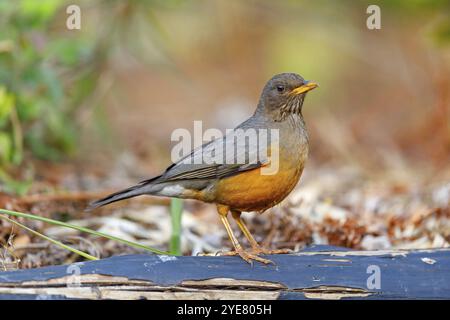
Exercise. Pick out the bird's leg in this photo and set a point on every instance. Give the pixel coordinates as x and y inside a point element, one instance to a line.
<point>257,249</point>
<point>237,217</point>
<point>247,256</point>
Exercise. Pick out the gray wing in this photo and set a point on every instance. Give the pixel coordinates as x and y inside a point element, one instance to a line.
<point>226,156</point>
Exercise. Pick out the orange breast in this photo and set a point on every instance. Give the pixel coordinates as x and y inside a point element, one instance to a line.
<point>252,191</point>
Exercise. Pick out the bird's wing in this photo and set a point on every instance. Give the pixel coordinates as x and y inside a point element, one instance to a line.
<point>220,158</point>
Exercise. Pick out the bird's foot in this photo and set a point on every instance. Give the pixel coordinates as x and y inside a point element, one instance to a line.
<point>249,256</point>
<point>246,255</point>
<point>260,250</point>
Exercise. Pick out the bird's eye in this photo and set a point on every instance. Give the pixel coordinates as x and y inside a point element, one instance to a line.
<point>280,88</point>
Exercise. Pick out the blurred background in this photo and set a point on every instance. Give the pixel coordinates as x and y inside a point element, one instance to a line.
<point>84,112</point>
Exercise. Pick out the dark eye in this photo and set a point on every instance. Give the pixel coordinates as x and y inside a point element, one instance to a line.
<point>280,88</point>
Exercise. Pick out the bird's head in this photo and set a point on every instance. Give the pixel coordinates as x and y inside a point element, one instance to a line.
<point>284,95</point>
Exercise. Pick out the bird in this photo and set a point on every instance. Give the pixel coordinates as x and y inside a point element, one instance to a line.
<point>239,185</point>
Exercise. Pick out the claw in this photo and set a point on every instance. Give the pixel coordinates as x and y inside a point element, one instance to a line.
<point>260,250</point>
<point>247,256</point>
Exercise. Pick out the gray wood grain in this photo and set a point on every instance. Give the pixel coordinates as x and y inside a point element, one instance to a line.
<point>319,272</point>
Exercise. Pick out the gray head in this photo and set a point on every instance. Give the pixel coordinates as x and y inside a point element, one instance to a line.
<point>284,95</point>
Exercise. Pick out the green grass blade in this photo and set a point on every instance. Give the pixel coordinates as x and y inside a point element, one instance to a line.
<point>176,209</point>
<point>82,229</point>
<point>56,242</point>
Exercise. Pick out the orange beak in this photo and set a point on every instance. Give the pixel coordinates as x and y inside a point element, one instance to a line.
<point>309,85</point>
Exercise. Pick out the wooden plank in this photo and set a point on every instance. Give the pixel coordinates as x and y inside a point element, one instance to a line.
<point>315,273</point>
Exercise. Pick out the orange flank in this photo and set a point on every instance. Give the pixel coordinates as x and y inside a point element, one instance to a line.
<point>252,191</point>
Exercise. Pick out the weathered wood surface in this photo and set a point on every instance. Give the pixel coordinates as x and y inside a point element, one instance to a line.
<point>314,273</point>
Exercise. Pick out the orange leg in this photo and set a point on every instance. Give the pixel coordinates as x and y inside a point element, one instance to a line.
<point>257,249</point>
<point>247,256</point>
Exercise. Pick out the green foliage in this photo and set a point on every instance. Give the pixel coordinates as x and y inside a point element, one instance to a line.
<point>48,73</point>
<point>413,6</point>
<point>75,227</point>
<point>56,242</point>
<point>442,32</point>
<point>28,84</point>
<point>7,150</point>
<point>33,99</point>
<point>176,210</point>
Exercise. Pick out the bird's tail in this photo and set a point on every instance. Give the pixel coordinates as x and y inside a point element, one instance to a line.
<point>145,187</point>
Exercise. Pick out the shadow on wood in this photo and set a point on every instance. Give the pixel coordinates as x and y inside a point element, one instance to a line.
<point>318,272</point>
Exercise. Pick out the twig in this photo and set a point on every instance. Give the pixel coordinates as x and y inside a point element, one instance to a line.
<point>82,229</point>
<point>56,242</point>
